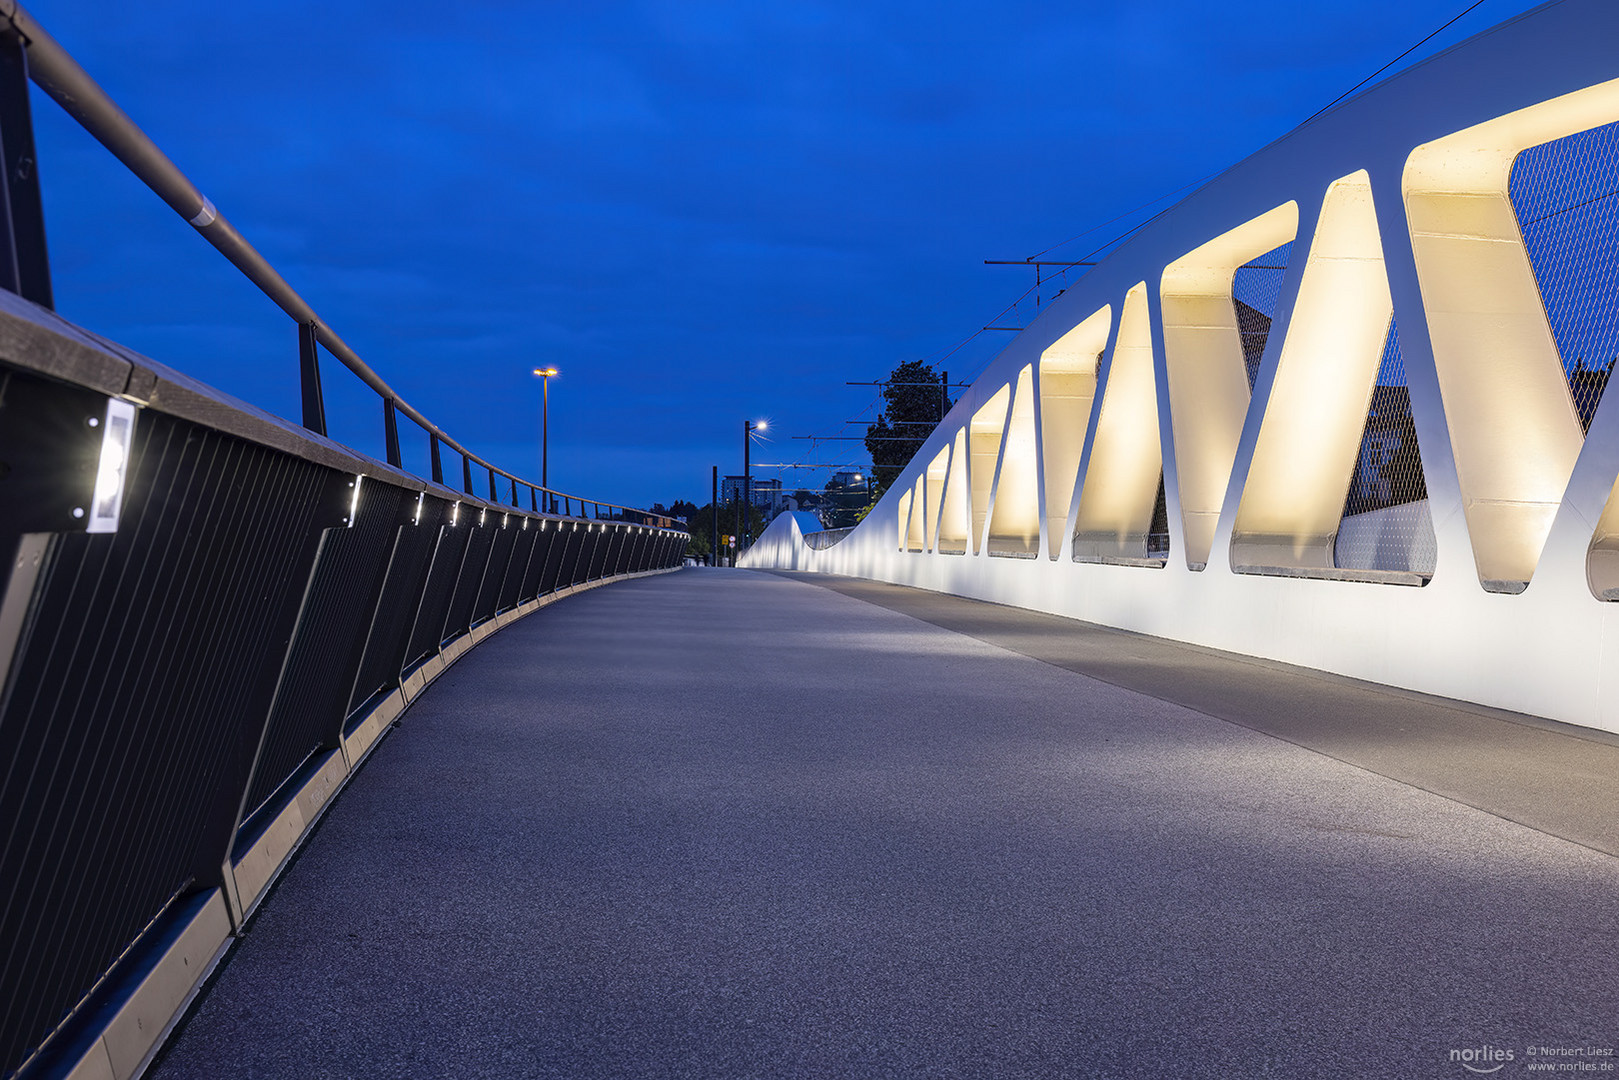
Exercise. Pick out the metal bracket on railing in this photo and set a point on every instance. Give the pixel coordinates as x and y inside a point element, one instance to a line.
<point>309,378</point>
<point>390,431</point>
<point>24,268</point>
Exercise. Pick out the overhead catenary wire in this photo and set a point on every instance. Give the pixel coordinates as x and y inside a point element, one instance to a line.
<point>1090,257</point>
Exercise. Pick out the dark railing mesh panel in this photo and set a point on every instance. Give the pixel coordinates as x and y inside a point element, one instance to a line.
<point>557,566</point>
<point>534,577</point>
<point>572,543</point>
<point>597,543</point>
<point>604,543</point>
<point>517,570</point>
<point>396,609</point>
<point>1256,290</point>
<point>325,653</point>
<point>130,704</point>
<point>494,574</point>
<point>1566,196</point>
<point>1386,523</point>
<point>479,544</point>
<point>615,545</point>
<point>586,555</point>
<point>441,580</point>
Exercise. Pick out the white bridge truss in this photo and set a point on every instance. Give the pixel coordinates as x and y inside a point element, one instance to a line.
<point>1416,285</point>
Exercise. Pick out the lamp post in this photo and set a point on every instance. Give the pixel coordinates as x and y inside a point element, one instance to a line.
<point>546,374</point>
<point>746,504</point>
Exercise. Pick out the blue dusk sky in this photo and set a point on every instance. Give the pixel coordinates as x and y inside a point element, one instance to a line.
<point>699,212</point>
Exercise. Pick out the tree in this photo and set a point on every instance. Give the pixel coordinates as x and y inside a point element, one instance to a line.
<point>700,523</point>
<point>845,504</point>
<point>914,401</point>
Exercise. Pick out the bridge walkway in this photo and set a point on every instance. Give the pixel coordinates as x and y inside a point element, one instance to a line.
<point>790,830</point>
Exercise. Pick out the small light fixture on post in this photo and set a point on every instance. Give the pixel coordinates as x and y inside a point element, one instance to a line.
<point>746,503</point>
<point>546,374</point>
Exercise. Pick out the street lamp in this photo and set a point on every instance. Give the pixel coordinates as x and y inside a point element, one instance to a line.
<point>546,374</point>
<point>748,428</point>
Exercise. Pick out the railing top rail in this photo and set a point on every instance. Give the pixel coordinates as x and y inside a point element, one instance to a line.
<point>55,71</point>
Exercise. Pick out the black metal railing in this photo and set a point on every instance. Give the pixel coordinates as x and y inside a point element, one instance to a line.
<point>202,607</point>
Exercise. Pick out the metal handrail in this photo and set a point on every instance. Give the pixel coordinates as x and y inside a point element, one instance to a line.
<point>55,71</point>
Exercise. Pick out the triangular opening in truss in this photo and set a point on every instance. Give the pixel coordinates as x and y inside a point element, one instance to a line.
<point>1256,292</point>
<point>1386,522</point>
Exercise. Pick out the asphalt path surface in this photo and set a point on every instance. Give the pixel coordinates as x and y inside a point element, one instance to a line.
<point>733,824</point>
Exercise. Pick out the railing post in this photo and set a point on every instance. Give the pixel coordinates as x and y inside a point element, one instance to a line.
<point>309,378</point>
<point>494,495</point>
<point>466,474</point>
<point>24,268</point>
<point>390,432</point>
<point>438,460</point>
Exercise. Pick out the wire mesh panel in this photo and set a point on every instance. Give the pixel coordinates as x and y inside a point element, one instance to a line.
<point>546,551</point>
<point>626,541</point>
<point>602,539</point>
<point>402,591</point>
<point>1566,196</point>
<point>1256,291</point>
<point>595,554</point>
<point>1386,521</point>
<point>134,702</point>
<point>480,544</point>
<point>503,544</point>
<point>511,590</point>
<point>326,650</point>
<point>591,556</point>
<point>428,630</point>
<point>625,563</point>
<point>568,544</point>
<point>1158,531</point>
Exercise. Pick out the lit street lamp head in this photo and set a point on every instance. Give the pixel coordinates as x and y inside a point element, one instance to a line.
<point>545,374</point>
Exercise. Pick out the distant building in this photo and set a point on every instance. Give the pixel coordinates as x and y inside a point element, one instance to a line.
<point>767,494</point>
<point>850,480</point>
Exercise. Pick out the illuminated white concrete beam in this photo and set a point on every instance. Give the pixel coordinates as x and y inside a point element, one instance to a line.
<point>1126,459</point>
<point>933,480</point>
<point>1207,373</point>
<point>1014,524</point>
<point>1067,390</point>
<point>1308,441</point>
<point>1513,426</point>
<point>955,511</point>
<point>984,436</point>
